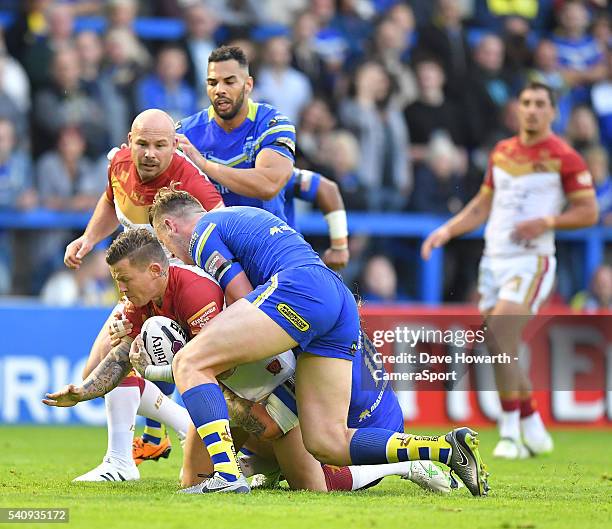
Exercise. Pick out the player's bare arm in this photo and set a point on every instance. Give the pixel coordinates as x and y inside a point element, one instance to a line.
<point>102,224</point>
<point>270,174</point>
<point>105,377</point>
<point>469,218</point>
<point>582,212</point>
<point>331,205</point>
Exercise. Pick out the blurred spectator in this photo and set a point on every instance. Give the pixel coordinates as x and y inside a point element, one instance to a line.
<point>341,153</point>
<point>582,129</point>
<point>126,61</point>
<point>598,161</point>
<point>37,59</point>
<point>200,25</point>
<point>546,70</point>
<point>16,191</point>
<point>67,181</point>
<point>66,102</point>
<point>167,88</point>
<point>391,49</point>
<point>599,295</point>
<point>87,8</point>
<point>601,30</point>
<point>383,138</point>
<point>580,55</point>
<point>489,88</point>
<point>90,285</point>
<point>15,94</point>
<point>91,52</point>
<point>280,85</point>
<point>438,181</point>
<point>30,26</point>
<point>445,38</point>
<point>305,55</point>
<point>379,281</point>
<point>352,22</point>
<point>432,112</point>
<point>282,12</point>
<point>601,99</point>
<point>315,123</point>
<point>517,43</point>
<point>122,13</point>
<point>237,13</point>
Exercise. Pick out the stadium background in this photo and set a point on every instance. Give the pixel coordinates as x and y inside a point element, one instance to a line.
<point>398,102</point>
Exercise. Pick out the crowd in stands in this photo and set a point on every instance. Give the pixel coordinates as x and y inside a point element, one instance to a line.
<point>399,102</point>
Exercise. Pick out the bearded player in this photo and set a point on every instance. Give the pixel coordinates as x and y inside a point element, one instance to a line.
<point>135,173</point>
<point>530,178</point>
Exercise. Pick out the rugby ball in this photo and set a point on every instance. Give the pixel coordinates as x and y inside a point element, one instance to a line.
<point>163,338</point>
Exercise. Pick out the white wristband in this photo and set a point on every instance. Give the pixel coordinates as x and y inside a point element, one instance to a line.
<point>338,226</point>
<point>159,373</point>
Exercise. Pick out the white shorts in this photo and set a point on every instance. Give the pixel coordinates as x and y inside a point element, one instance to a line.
<point>526,280</point>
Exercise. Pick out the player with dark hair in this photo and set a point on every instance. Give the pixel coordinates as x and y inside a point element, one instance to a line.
<point>529,179</point>
<point>298,303</point>
<point>135,173</point>
<point>248,149</point>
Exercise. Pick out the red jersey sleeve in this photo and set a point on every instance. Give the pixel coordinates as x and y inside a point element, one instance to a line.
<point>575,176</point>
<point>197,183</point>
<point>110,195</point>
<point>198,300</point>
<point>487,184</point>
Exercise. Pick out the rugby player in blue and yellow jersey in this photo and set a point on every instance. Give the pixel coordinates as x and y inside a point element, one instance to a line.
<point>297,302</point>
<point>247,148</point>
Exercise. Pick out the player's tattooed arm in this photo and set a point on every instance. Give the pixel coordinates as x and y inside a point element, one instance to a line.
<point>106,376</point>
<point>109,373</point>
<point>250,416</point>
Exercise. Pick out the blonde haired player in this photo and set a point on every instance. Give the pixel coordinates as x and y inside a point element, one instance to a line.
<point>529,179</point>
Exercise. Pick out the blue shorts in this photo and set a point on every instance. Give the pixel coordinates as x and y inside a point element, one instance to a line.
<point>313,305</point>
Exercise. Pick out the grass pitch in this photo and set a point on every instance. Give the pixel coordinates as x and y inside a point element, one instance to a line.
<point>570,489</point>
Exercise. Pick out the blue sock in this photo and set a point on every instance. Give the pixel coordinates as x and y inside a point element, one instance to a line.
<point>154,432</point>
<point>206,406</point>
<point>375,446</point>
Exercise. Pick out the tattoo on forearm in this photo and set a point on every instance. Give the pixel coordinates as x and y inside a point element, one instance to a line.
<point>241,413</point>
<point>109,372</point>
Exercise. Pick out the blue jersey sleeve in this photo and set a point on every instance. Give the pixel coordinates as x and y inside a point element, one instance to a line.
<point>277,133</point>
<point>211,254</point>
<point>305,184</point>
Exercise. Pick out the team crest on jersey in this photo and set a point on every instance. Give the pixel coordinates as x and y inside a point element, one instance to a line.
<point>249,148</point>
<point>274,367</point>
<point>293,317</point>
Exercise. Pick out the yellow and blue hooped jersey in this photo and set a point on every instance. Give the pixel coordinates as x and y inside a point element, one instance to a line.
<point>263,128</point>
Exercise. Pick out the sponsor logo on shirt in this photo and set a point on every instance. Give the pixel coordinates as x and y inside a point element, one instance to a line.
<point>293,317</point>
<point>201,318</point>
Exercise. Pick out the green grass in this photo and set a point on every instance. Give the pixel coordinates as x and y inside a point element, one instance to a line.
<point>570,489</point>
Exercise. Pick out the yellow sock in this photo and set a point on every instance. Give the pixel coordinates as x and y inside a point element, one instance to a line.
<point>408,447</point>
